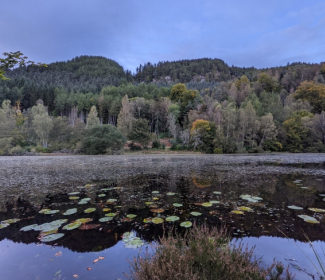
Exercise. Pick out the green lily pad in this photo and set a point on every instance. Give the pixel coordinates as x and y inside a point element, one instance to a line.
<point>308,219</point>
<point>101,195</point>
<point>238,212</point>
<point>11,221</point>
<point>172,219</point>
<point>110,215</point>
<point>50,212</point>
<point>293,207</point>
<point>90,210</point>
<point>74,197</point>
<point>44,233</point>
<point>147,220</point>
<point>196,213</point>
<point>244,208</point>
<point>170,193</point>
<point>157,220</point>
<point>30,227</point>
<point>149,203</point>
<point>105,219</point>
<point>105,190</point>
<point>111,200</point>
<point>72,226</point>
<point>217,192</point>
<point>318,210</point>
<point>44,210</point>
<point>250,198</point>
<point>4,226</point>
<point>155,192</point>
<point>52,237</point>
<point>83,220</point>
<point>131,216</point>
<point>70,211</point>
<point>81,202</point>
<point>50,226</point>
<point>186,224</point>
<point>206,204</point>
<point>73,193</point>
<point>214,201</point>
<point>177,204</point>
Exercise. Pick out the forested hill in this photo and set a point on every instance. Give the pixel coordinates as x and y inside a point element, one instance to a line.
<point>81,74</point>
<point>216,70</point>
<point>184,71</point>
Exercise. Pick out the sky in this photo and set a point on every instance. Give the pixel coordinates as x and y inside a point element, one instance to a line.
<point>259,33</point>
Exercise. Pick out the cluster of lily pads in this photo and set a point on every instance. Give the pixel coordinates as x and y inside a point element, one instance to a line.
<point>131,240</point>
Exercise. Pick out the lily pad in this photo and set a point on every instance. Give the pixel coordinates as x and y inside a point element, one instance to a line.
<point>177,204</point>
<point>72,226</point>
<point>50,212</point>
<point>102,195</point>
<point>186,224</point>
<point>106,209</point>
<point>157,220</point>
<point>70,211</point>
<point>196,213</point>
<point>244,208</point>
<point>30,227</point>
<point>149,203</point>
<point>4,226</point>
<point>84,220</point>
<point>170,193</point>
<point>74,197</point>
<point>172,218</point>
<point>43,211</point>
<point>147,220</point>
<point>155,198</point>
<point>238,212</point>
<point>11,221</point>
<point>105,219</point>
<point>73,193</point>
<point>52,237</point>
<point>90,210</point>
<point>206,204</point>
<point>110,215</point>
<point>250,198</point>
<point>105,190</point>
<point>308,219</point>
<point>155,192</point>
<point>214,201</point>
<point>217,192</point>
<point>293,207</point>
<point>44,233</point>
<point>111,200</point>
<point>318,210</point>
<point>131,216</point>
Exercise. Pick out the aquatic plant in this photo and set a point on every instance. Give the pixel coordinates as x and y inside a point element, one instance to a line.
<point>202,253</point>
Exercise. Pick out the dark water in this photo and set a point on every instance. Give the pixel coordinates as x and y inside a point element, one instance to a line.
<point>25,255</point>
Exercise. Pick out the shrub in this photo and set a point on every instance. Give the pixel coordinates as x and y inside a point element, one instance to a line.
<point>217,151</point>
<point>17,150</point>
<point>134,147</point>
<point>202,253</point>
<point>102,138</point>
<point>156,144</point>
<point>41,149</point>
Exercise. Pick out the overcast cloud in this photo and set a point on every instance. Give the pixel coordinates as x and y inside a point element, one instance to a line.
<point>242,33</point>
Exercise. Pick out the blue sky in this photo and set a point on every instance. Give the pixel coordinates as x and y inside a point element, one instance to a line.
<point>260,33</point>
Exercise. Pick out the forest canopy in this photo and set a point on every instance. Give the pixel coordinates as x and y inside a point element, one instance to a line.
<point>200,104</point>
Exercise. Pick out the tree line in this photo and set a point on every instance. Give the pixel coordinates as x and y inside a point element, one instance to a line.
<point>243,110</point>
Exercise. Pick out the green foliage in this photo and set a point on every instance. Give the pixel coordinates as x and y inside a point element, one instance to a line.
<point>156,144</point>
<point>296,131</point>
<point>140,132</point>
<point>218,151</point>
<point>102,139</point>
<point>203,253</point>
<point>268,83</point>
<point>315,94</point>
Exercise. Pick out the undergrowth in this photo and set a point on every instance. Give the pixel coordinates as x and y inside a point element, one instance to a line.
<point>202,254</point>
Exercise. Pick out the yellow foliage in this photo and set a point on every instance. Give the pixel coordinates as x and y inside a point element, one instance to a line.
<point>200,125</point>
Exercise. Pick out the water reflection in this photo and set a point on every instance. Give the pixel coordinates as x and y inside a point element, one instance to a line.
<point>142,195</point>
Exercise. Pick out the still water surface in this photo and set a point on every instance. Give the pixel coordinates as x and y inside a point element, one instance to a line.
<point>196,190</point>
